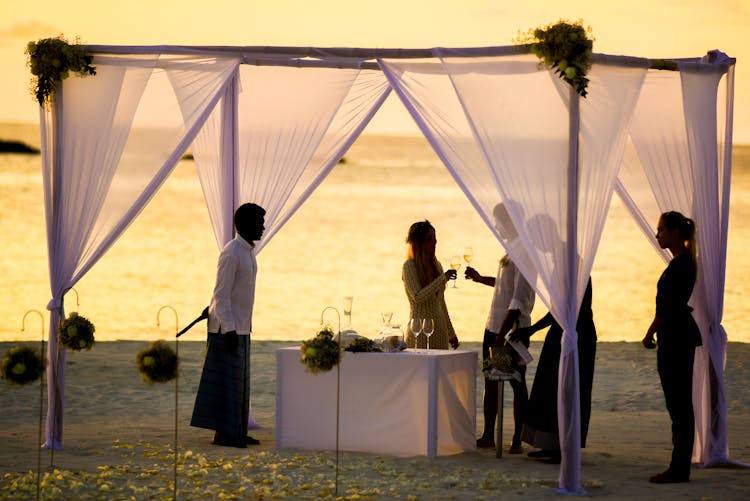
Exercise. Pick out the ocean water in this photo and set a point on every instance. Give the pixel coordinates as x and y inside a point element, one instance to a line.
<point>347,240</point>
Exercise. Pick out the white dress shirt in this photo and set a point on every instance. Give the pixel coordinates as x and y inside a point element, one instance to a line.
<point>231,307</point>
<point>512,292</point>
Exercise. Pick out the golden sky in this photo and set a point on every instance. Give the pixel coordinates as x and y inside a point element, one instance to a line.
<point>646,28</point>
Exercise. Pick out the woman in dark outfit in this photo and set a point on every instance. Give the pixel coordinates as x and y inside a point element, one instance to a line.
<point>677,335</point>
<point>540,424</point>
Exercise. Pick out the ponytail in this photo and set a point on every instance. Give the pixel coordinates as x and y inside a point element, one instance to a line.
<point>686,230</point>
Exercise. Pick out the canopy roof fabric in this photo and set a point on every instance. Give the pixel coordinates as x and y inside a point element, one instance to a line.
<point>267,124</point>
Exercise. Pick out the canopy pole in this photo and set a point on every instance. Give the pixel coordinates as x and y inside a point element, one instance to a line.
<point>570,466</point>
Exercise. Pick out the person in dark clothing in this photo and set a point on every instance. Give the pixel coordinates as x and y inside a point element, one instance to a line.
<point>540,427</point>
<point>675,335</point>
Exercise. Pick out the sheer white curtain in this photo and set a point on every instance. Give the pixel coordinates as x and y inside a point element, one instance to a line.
<point>290,128</point>
<point>507,129</point>
<point>274,137</point>
<point>103,161</point>
<point>682,135</point>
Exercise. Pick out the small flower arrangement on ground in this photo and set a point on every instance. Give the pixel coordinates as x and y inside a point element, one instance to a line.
<point>501,365</point>
<point>157,363</point>
<point>22,365</point>
<point>51,60</point>
<point>76,332</point>
<point>321,353</point>
<point>566,48</point>
<point>363,345</point>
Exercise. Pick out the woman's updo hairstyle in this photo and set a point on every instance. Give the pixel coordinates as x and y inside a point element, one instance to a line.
<point>685,227</point>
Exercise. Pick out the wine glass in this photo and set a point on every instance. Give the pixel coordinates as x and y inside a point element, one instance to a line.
<point>428,327</point>
<point>348,300</point>
<point>455,265</point>
<point>415,327</point>
<point>386,316</point>
<point>468,254</point>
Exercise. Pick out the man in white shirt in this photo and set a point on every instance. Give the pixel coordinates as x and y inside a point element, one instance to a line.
<point>223,400</point>
<point>511,307</point>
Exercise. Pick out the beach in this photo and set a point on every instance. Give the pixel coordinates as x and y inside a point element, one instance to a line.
<point>119,434</point>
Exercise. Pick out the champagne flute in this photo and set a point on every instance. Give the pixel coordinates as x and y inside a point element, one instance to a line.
<point>415,327</point>
<point>468,254</point>
<point>455,265</point>
<point>428,327</point>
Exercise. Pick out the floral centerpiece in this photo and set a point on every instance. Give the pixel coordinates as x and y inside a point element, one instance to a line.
<point>566,48</point>
<point>22,365</point>
<point>501,364</point>
<point>321,353</point>
<point>76,332</point>
<point>51,60</point>
<point>363,345</point>
<point>157,363</point>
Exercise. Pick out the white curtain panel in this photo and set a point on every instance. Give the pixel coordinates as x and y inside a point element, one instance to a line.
<point>680,132</point>
<point>105,158</point>
<point>293,125</point>
<point>501,125</point>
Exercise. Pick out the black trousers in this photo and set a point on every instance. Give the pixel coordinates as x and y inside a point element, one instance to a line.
<point>675,365</point>
<point>489,401</point>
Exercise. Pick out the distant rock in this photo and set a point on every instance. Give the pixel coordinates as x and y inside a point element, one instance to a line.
<point>16,147</point>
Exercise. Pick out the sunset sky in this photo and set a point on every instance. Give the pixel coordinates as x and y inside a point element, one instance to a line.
<point>647,28</point>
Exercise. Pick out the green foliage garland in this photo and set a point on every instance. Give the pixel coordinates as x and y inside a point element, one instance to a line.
<point>22,365</point>
<point>321,353</point>
<point>158,363</point>
<point>76,332</point>
<point>566,48</point>
<point>51,60</point>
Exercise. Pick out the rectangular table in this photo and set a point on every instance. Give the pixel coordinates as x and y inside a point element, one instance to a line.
<point>401,404</point>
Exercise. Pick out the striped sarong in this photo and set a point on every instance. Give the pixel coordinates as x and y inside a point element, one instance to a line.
<point>223,400</point>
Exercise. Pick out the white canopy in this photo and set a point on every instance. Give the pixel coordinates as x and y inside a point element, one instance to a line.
<point>267,124</point>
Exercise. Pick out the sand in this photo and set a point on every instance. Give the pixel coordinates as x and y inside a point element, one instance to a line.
<point>119,434</point>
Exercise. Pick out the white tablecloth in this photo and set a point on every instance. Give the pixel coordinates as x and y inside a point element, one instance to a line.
<point>400,404</point>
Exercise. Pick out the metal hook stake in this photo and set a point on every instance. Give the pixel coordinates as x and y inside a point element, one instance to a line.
<point>176,390</point>
<point>322,314</point>
<point>338,391</point>
<point>41,405</point>
<point>71,288</point>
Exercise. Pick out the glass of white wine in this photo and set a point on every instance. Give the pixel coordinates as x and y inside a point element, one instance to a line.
<point>455,265</point>
<point>468,254</point>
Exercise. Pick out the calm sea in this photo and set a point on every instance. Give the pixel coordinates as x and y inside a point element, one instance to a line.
<point>348,239</point>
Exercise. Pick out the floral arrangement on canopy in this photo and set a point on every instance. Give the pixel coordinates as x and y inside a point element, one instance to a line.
<point>158,363</point>
<point>76,332</point>
<point>51,60</point>
<point>566,47</point>
<point>321,353</point>
<point>22,365</point>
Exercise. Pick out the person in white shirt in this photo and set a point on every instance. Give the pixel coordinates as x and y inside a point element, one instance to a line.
<point>223,399</point>
<point>512,303</point>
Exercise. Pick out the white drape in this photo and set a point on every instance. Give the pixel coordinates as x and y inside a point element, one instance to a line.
<point>293,125</point>
<point>103,162</point>
<point>275,135</point>
<point>508,129</point>
<point>682,135</point>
